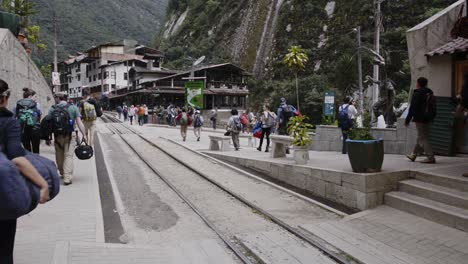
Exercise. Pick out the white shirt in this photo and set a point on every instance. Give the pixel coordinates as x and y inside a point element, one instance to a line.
<point>352,111</point>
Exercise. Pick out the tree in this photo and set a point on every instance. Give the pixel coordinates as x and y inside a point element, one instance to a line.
<point>296,60</point>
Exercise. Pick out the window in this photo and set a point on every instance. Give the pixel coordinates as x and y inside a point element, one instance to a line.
<point>106,88</point>
<point>125,76</point>
<point>94,77</point>
<point>156,64</point>
<point>99,76</point>
<point>78,77</point>
<point>106,75</point>
<point>113,75</point>
<point>113,87</point>
<point>89,79</point>
<point>94,65</point>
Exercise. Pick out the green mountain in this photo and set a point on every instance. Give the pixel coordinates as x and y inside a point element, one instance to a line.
<point>82,24</point>
<point>256,34</point>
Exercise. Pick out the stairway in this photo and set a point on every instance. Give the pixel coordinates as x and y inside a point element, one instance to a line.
<point>440,198</point>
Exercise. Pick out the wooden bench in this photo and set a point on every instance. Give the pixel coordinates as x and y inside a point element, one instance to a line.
<point>279,145</point>
<point>215,140</point>
<point>249,138</point>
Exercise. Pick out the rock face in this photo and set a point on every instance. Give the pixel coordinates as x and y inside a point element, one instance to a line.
<point>19,71</point>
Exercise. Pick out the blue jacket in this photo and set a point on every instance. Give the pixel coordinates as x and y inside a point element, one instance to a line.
<point>11,135</point>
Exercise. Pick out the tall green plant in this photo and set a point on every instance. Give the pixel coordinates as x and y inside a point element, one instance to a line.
<point>296,60</point>
<point>298,128</point>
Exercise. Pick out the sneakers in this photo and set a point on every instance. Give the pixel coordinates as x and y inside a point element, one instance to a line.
<point>411,157</point>
<point>183,139</point>
<point>198,139</point>
<point>266,150</point>
<point>67,182</point>
<point>259,149</point>
<point>429,161</point>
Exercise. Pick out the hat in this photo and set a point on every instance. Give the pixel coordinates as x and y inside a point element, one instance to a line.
<point>283,100</point>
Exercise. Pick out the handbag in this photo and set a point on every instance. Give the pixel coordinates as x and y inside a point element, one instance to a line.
<point>83,151</point>
<point>460,29</point>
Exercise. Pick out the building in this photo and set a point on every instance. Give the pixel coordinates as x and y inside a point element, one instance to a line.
<point>105,69</point>
<point>443,60</point>
<point>225,88</point>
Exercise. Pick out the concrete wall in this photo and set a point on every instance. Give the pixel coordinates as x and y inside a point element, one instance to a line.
<point>19,71</point>
<point>426,37</point>
<point>354,190</point>
<point>396,141</point>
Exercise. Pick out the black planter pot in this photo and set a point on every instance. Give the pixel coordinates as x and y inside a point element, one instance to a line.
<point>366,156</point>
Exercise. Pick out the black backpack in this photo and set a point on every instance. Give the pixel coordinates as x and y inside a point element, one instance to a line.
<point>344,121</point>
<point>60,121</point>
<point>430,110</point>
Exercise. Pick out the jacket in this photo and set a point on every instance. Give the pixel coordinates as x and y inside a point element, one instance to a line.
<point>418,106</point>
<point>11,144</point>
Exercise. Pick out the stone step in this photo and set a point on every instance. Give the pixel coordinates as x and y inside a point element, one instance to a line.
<point>435,192</point>
<point>276,247</point>
<point>200,252</point>
<point>432,210</point>
<point>358,245</point>
<point>459,183</point>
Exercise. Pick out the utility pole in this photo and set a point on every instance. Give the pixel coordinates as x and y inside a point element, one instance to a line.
<point>361,95</point>
<point>56,87</point>
<point>375,92</point>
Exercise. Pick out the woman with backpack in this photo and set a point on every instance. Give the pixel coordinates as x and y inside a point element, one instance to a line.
<point>10,146</point>
<point>234,127</point>
<point>268,123</point>
<point>197,123</point>
<point>28,113</point>
<point>346,115</point>
<point>184,121</point>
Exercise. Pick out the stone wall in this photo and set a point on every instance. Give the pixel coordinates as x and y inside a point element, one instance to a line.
<point>396,141</point>
<point>19,71</point>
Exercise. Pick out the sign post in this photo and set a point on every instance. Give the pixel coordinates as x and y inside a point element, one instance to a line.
<point>329,106</point>
<point>194,93</point>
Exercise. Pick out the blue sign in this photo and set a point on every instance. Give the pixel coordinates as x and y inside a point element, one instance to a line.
<point>329,104</point>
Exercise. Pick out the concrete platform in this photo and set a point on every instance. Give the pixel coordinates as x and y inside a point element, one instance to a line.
<point>329,174</point>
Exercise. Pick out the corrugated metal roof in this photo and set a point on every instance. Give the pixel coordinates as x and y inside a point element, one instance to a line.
<point>454,46</point>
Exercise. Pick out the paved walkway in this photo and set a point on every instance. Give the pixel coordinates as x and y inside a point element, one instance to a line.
<point>74,215</point>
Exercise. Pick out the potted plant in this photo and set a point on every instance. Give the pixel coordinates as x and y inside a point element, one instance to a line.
<point>365,153</point>
<point>298,129</point>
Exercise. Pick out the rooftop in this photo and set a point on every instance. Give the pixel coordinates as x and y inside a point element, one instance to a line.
<point>451,47</point>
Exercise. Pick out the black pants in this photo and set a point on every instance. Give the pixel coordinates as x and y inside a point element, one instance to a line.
<point>266,131</point>
<point>30,141</point>
<point>345,133</point>
<point>7,240</point>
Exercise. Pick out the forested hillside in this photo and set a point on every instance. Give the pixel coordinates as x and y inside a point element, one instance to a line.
<point>84,23</point>
<point>236,31</point>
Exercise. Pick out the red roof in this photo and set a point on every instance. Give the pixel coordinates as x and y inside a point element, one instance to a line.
<point>454,46</point>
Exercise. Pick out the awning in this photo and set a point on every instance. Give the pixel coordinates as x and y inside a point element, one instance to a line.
<point>454,46</point>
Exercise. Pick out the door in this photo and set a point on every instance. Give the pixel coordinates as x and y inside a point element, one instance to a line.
<point>461,68</point>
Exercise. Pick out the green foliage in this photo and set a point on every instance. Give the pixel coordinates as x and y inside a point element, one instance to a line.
<point>363,133</point>
<point>296,58</point>
<point>298,128</point>
<point>329,121</point>
<point>46,71</point>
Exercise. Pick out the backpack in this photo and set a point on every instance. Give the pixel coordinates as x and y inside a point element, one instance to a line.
<point>270,121</point>
<point>89,111</point>
<point>344,121</point>
<point>184,119</point>
<point>61,123</point>
<point>27,113</point>
<point>198,121</point>
<point>237,124</point>
<point>244,119</point>
<point>287,112</point>
<point>97,107</point>
<point>430,110</point>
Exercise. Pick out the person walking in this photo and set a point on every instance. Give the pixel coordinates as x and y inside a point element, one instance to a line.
<point>145,114</point>
<point>12,149</point>
<point>119,111</point>
<point>234,127</point>
<point>197,124</point>
<point>66,118</point>
<point>214,117</point>
<point>422,112</point>
<point>284,113</point>
<point>268,122</point>
<point>28,113</point>
<point>125,112</point>
<point>346,115</point>
<point>183,119</point>
<point>88,110</point>
<point>141,115</point>
<point>131,114</point>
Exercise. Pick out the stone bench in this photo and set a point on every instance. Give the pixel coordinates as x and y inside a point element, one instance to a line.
<point>216,140</point>
<point>249,137</point>
<point>279,145</point>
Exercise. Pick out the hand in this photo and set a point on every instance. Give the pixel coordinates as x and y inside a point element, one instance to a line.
<point>44,195</point>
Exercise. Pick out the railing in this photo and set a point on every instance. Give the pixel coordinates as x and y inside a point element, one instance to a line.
<point>227,85</point>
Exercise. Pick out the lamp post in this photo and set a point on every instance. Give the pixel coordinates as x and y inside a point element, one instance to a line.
<point>376,77</point>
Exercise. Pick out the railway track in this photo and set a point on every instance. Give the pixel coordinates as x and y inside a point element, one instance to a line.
<point>177,173</point>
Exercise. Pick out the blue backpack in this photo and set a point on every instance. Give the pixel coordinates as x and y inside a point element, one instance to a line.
<point>344,121</point>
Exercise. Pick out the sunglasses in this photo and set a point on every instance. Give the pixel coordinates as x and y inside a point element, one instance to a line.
<point>6,93</point>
